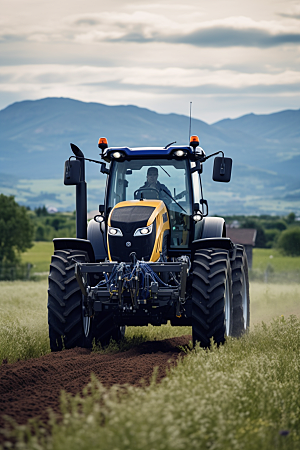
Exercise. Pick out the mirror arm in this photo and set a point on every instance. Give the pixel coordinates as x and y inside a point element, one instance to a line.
<point>103,168</point>
<point>214,154</point>
<point>86,159</point>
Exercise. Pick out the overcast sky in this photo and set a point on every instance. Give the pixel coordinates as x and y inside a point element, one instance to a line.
<point>229,57</point>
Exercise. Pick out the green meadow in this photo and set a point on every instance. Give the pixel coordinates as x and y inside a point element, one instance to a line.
<point>39,256</point>
<point>264,257</point>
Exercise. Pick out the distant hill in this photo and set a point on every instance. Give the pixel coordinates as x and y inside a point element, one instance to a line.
<point>35,138</point>
<point>283,125</point>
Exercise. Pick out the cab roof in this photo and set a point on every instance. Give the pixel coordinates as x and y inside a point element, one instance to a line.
<point>127,153</point>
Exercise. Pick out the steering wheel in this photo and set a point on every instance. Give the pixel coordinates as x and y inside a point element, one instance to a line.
<point>141,190</point>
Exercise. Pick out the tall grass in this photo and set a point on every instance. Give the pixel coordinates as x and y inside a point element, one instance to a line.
<point>23,320</point>
<point>24,327</point>
<point>243,395</point>
<point>268,301</point>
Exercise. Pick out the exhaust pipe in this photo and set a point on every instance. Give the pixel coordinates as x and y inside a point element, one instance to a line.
<point>81,196</point>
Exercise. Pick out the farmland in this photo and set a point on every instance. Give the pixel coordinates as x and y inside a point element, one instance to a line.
<point>243,395</point>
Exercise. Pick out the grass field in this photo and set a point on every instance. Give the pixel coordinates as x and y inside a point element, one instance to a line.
<point>26,335</point>
<point>268,301</point>
<point>244,395</point>
<point>39,256</point>
<point>23,320</point>
<point>264,257</point>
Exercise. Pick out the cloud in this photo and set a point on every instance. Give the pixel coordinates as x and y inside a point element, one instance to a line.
<point>144,27</point>
<point>293,12</point>
<point>291,16</point>
<point>49,76</point>
<point>229,37</point>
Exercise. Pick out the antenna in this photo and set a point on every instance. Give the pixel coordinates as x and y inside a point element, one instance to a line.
<point>190,129</point>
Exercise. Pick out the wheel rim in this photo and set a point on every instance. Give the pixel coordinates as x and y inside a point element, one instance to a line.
<point>86,325</point>
<point>122,330</point>
<point>244,302</point>
<point>86,321</point>
<point>227,308</point>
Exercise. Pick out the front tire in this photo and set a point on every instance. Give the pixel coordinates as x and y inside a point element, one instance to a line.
<point>212,305</point>
<point>69,326</point>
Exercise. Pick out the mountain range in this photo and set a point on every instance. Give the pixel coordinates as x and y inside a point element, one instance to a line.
<point>35,138</point>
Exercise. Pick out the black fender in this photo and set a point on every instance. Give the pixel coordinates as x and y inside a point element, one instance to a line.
<point>213,227</point>
<point>75,244</point>
<point>211,233</point>
<point>210,227</point>
<point>96,234</point>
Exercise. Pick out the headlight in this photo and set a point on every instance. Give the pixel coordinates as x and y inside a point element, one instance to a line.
<point>144,231</point>
<point>114,231</point>
<point>179,153</point>
<point>117,155</point>
<point>98,218</point>
<point>197,217</point>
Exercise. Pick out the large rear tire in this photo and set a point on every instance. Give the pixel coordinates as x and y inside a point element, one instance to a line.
<point>240,290</point>
<point>212,305</point>
<point>69,327</point>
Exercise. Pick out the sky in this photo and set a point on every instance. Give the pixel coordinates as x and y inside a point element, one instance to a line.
<point>228,58</point>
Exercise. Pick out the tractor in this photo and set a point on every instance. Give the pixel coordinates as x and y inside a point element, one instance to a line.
<point>151,256</point>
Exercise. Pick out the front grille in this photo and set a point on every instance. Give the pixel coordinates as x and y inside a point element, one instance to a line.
<point>141,245</point>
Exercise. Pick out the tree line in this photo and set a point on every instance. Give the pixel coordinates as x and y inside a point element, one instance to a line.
<point>48,226</point>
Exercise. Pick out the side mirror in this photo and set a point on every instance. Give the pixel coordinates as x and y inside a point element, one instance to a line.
<point>222,169</point>
<point>72,172</point>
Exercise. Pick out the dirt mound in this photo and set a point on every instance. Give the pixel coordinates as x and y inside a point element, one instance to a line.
<point>28,388</point>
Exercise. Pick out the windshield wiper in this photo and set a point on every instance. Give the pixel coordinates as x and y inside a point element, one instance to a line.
<point>170,144</point>
<point>164,170</point>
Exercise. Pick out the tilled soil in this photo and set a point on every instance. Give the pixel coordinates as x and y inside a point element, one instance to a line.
<point>29,388</point>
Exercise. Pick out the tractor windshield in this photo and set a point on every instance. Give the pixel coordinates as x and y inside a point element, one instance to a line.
<point>168,181</point>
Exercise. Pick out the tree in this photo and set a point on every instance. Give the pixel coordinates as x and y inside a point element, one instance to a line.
<point>272,236</point>
<point>289,242</point>
<point>16,230</point>
<point>41,211</point>
<point>40,233</point>
<point>291,217</point>
<point>278,224</point>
